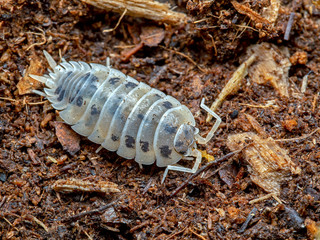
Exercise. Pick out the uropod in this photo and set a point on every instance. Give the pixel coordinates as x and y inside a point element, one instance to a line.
<point>124,115</point>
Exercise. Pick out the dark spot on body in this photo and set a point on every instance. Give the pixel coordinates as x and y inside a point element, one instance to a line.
<point>181,149</point>
<point>114,80</point>
<point>61,95</point>
<point>140,116</point>
<point>82,79</point>
<point>79,101</point>
<point>170,129</point>
<point>73,96</point>
<point>93,88</point>
<point>165,151</point>
<point>58,89</point>
<point>94,110</point>
<point>93,78</point>
<point>144,146</point>
<point>130,141</point>
<point>131,85</point>
<point>187,134</point>
<point>114,138</point>
<point>179,144</point>
<point>167,104</point>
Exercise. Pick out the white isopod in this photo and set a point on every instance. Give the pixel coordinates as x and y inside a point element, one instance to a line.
<point>124,115</point>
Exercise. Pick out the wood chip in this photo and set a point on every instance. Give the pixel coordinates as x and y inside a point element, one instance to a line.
<point>72,185</point>
<point>69,140</point>
<point>141,8</point>
<point>269,164</point>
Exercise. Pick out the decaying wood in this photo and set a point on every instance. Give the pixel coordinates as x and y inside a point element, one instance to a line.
<point>77,185</point>
<point>269,164</point>
<point>272,66</point>
<point>141,8</point>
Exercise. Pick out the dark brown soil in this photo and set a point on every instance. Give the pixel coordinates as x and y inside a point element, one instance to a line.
<point>215,207</point>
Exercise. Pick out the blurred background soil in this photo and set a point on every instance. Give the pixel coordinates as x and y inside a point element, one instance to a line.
<point>189,60</point>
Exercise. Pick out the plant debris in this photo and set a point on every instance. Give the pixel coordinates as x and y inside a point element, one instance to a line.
<point>149,9</point>
<point>26,83</point>
<point>272,66</point>
<point>67,137</point>
<point>77,185</point>
<point>269,164</point>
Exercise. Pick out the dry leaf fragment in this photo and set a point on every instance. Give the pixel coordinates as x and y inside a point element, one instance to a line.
<point>26,84</point>
<point>77,185</point>
<point>272,65</point>
<point>67,137</point>
<point>151,36</point>
<point>269,164</point>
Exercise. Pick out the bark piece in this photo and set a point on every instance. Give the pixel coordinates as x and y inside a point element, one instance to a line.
<point>141,8</point>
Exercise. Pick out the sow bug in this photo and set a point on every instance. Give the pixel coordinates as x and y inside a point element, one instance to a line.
<point>124,115</point>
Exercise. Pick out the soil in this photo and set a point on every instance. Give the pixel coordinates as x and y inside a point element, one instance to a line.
<point>191,61</point>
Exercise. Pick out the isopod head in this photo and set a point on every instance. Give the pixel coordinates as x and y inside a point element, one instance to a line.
<point>184,139</point>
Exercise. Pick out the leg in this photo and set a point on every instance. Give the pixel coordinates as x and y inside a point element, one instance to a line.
<point>50,60</point>
<point>195,153</point>
<point>46,80</point>
<point>108,62</point>
<point>200,139</point>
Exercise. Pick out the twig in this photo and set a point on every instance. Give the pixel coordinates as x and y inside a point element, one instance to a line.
<point>139,226</point>
<point>145,190</point>
<point>250,216</point>
<point>204,168</point>
<point>254,16</point>
<point>264,198</point>
<point>233,84</point>
<point>177,233</point>
<point>94,211</point>
<point>39,34</point>
<point>214,45</point>
<point>27,103</point>
<point>87,234</point>
<point>10,224</point>
<point>118,23</point>
<point>305,82</point>
<point>198,235</point>
<point>186,56</point>
<point>39,222</point>
<point>289,26</point>
<point>3,201</point>
<point>298,138</point>
<point>8,99</point>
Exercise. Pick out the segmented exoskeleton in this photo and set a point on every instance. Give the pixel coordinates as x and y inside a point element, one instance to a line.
<point>124,115</point>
